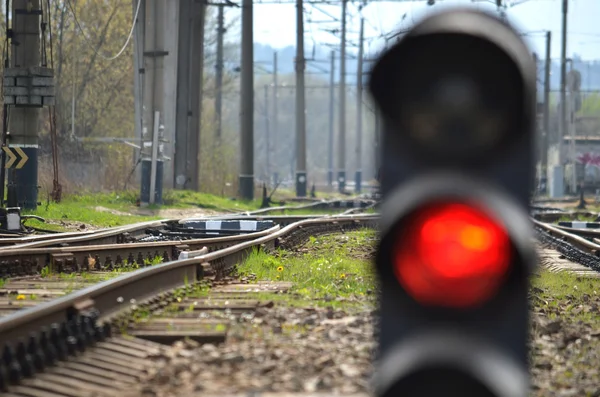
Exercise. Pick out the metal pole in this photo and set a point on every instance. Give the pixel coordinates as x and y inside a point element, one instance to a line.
<point>546,139</point>
<point>196,70</point>
<point>377,140</point>
<point>342,109</point>
<point>275,121</point>
<point>138,45</point>
<point>154,157</point>
<point>185,41</point>
<point>572,134</point>
<point>267,134</point>
<point>331,120</point>
<point>3,154</point>
<point>219,70</point>
<point>563,83</point>
<point>23,123</point>
<point>300,104</point>
<point>154,98</point>
<point>246,178</point>
<point>74,85</point>
<point>359,110</point>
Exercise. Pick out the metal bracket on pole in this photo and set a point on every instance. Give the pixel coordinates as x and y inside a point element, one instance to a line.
<point>154,157</point>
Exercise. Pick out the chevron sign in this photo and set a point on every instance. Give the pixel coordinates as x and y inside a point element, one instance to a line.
<point>15,155</point>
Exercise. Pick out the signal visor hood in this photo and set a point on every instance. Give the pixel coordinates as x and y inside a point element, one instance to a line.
<point>460,85</point>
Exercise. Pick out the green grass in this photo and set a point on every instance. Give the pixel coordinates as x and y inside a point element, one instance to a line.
<point>563,292</point>
<point>82,208</point>
<point>561,284</point>
<point>119,208</point>
<point>578,217</point>
<point>329,269</point>
<point>191,199</point>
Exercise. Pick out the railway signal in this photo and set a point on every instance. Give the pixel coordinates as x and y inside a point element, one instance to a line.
<point>457,94</point>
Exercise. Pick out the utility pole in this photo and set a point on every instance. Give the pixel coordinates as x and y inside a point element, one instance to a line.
<point>154,54</point>
<point>267,134</point>
<point>24,107</point>
<point>359,110</point>
<point>377,145</point>
<point>563,82</point>
<point>219,70</point>
<point>300,104</point>
<point>190,63</point>
<point>246,178</point>
<point>138,74</point>
<point>331,120</point>
<point>275,122</point>
<point>195,98</point>
<point>342,108</point>
<point>546,139</point>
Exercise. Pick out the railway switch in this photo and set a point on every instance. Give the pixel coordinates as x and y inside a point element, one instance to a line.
<point>457,96</point>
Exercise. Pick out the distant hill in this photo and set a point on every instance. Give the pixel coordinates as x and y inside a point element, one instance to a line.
<point>263,55</point>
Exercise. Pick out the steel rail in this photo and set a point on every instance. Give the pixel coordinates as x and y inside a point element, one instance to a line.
<point>591,233</point>
<point>10,240</point>
<point>112,235</point>
<point>25,261</point>
<point>74,317</point>
<point>107,236</point>
<point>573,239</point>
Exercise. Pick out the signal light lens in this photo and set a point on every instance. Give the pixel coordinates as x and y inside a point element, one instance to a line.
<point>452,255</point>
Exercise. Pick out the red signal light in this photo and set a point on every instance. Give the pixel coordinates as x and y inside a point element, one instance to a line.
<point>452,255</point>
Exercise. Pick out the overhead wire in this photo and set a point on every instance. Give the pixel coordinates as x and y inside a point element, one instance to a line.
<point>123,48</point>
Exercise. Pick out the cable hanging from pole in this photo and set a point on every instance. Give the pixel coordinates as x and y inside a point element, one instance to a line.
<point>108,58</point>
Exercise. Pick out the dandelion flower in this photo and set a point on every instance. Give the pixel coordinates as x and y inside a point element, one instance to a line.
<point>20,297</point>
<point>280,269</point>
<point>277,276</point>
<point>342,275</point>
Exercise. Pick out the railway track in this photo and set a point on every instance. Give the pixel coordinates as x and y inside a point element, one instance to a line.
<point>43,345</point>
<point>76,254</point>
<point>129,233</point>
<point>100,339</point>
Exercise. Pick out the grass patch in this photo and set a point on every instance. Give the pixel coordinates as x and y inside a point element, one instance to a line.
<point>565,284</point>
<point>120,208</point>
<point>334,268</point>
<point>191,199</point>
<point>85,209</point>
<point>578,217</point>
<point>566,294</point>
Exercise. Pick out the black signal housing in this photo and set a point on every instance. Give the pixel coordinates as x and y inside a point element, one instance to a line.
<point>457,95</point>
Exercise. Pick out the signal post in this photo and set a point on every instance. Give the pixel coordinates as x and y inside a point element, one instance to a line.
<point>457,96</point>
<point>28,86</point>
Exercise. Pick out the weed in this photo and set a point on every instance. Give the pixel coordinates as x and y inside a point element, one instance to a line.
<point>327,269</point>
<point>566,294</point>
<point>45,272</point>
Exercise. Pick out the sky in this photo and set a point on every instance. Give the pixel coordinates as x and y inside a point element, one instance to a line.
<point>275,24</point>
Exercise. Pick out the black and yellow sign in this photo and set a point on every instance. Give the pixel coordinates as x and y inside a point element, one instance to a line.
<point>15,154</point>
